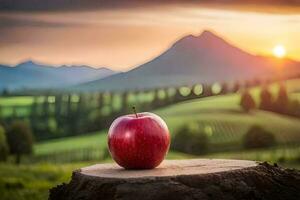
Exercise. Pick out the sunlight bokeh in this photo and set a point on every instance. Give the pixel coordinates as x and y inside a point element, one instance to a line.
<point>279,51</point>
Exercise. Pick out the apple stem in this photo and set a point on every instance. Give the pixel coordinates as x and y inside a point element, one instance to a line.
<point>134,110</point>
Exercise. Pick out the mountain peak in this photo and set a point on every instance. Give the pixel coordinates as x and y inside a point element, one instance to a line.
<point>26,64</point>
<point>206,40</point>
<point>208,35</point>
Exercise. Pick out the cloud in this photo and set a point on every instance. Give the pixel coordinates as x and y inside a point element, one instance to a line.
<point>11,22</point>
<point>34,5</point>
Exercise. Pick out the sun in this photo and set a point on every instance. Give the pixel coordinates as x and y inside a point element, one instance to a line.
<point>279,51</point>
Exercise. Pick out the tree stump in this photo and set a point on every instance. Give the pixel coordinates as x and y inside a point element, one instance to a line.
<point>183,179</point>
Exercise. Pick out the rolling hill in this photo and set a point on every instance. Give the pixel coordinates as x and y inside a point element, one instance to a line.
<point>37,76</point>
<point>220,117</point>
<point>206,58</point>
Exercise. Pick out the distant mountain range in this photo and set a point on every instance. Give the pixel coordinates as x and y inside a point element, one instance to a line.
<point>206,58</point>
<point>30,75</point>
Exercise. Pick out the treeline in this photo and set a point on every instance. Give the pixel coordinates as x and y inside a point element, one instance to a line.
<point>278,103</point>
<point>55,115</point>
<point>60,115</point>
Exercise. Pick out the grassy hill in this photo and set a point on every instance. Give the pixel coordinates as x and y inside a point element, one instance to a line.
<point>223,120</point>
<point>21,105</point>
<point>220,117</point>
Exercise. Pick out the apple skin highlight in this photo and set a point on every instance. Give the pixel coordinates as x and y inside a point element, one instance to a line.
<point>138,141</point>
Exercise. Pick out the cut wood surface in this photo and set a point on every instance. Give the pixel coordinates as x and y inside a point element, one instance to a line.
<point>168,168</point>
<point>183,179</point>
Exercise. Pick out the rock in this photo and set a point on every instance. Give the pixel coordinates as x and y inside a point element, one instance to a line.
<point>183,179</point>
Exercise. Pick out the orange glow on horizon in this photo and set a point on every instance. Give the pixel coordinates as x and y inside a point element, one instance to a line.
<point>279,51</point>
<point>126,38</point>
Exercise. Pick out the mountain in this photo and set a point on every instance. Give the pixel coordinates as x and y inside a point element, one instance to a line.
<point>206,58</point>
<point>37,76</point>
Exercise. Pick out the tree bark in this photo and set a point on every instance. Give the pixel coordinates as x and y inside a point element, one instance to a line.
<point>181,180</point>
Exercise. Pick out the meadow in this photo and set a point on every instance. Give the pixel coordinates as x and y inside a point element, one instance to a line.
<point>224,124</point>
<point>20,105</point>
<point>219,117</point>
<point>32,181</point>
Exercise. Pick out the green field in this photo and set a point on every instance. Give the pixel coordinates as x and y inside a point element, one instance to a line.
<point>32,182</point>
<point>223,120</point>
<point>20,105</point>
<point>16,101</point>
<point>73,143</point>
<point>275,154</point>
<point>220,117</point>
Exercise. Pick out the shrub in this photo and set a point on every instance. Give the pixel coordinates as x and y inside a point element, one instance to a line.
<point>257,137</point>
<point>189,140</point>
<point>282,101</point>
<point>20,139</point>
<point>294,108</point>
<point>236,87</point>
<point>266,102</point>
<point>247,102</point>
<point>3,145</point>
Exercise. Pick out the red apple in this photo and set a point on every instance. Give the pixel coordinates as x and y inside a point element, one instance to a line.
<point>138,141</point>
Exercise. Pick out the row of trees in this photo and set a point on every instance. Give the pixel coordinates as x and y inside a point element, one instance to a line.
<point>16,139</point>
<point>280,103</point>
<point>63,115</point>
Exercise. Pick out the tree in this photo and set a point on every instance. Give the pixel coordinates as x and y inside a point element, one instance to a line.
<point>5,92</point>
<point>257,137</point>
<point>100,100</point>
<point>282,100</point>
<point>189,140</point>
<point>157,102</point>
<point>294,108</point>
<point>224,88</point>
<point>236,87</point>
<point>3,145</point>
<point>177,97</point>
<point>207,90</point>
<point>20,139</point>
<point>247,102</point>
<point>46,107</point>
<point>124,97</point>
<point>34,116</point>
<point>266,102</point>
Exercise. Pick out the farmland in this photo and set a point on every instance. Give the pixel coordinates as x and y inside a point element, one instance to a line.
<point>223,123</point>
<point>219,117</point>
<point>20,105</point>
<point>227,121</point>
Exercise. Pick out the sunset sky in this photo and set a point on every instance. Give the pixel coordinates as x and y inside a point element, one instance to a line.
<point>122,38</point>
